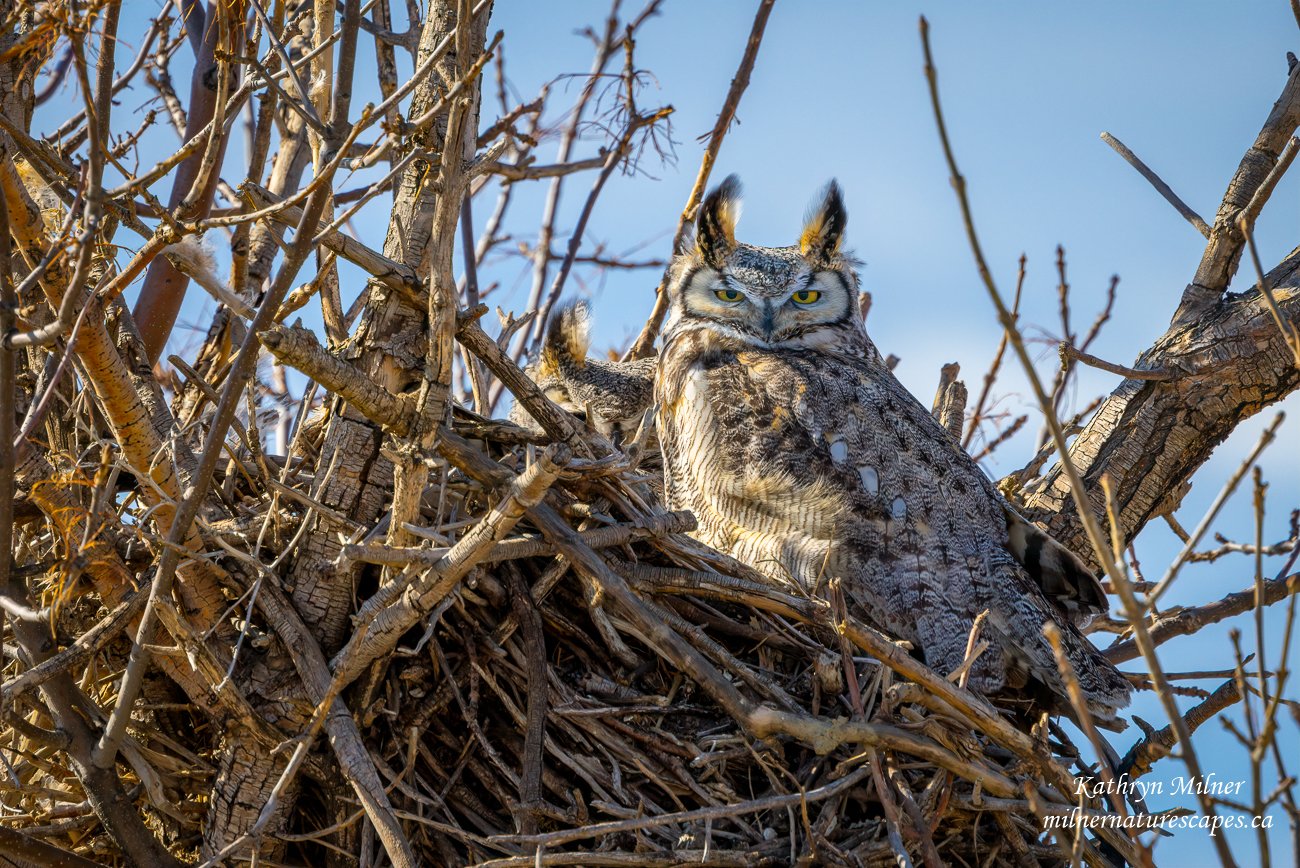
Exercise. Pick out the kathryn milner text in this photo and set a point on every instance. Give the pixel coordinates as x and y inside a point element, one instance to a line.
<point>1208,785</point>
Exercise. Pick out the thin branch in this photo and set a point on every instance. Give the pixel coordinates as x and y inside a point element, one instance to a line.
<point>1269,435</point>
<point>612,160</point>
<point>1143,756</point>
<point>1289,333</point>
<point>1256,204</point>
<point>1161,187</point>
<point>1187,622</point>
<point>1086,515</point>
<point>643,346</point>
<point>990,377</point>
<point>753,806</point>
<point>1068,353</point>
<point>1223,251</point>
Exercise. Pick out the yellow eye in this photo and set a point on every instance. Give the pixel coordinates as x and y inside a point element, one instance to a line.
<point>806,296</point>
<point>729,294</point>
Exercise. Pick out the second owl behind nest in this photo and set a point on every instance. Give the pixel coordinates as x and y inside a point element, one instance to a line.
<point>802,455</point>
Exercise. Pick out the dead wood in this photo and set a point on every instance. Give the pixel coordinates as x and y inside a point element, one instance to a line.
<point>359,621</point>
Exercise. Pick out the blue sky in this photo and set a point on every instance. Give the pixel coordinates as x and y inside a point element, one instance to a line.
<point>1027,89</point>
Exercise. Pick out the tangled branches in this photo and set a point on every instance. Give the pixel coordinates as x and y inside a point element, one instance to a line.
<point>514,653</point>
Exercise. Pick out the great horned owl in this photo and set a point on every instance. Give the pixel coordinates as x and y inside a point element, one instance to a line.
<point>802,455</point>
<point>611,396</point>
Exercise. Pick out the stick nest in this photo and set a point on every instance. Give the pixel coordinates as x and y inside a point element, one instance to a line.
<point>789,732</point>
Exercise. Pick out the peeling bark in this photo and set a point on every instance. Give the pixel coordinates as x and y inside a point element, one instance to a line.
<point>352,477</point>
<point>1150,437</point>
<point>1226,357</point>
<point>389,346</point>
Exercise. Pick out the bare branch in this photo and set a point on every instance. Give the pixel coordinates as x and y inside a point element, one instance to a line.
<point>644,344</point>
<point>1156,181</point>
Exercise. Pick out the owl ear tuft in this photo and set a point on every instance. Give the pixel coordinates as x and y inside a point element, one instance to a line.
<point>823,231</point>
<point>715,232</point>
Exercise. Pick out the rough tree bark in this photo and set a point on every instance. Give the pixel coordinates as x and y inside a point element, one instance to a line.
<point>586,676</point>
<point>352,477</point>
<point>1224,356</point>
<point>389,344</point>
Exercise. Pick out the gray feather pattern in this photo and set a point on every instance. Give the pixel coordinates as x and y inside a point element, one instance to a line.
<point>802,455</point>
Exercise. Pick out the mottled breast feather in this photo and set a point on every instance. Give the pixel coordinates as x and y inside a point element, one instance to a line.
<point>811,465</point>
<point>800,454</point>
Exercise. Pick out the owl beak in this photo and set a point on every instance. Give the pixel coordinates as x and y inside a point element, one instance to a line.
<point>769,320</point>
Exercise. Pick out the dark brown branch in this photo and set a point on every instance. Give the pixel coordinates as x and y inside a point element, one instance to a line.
<point>195,182</point>
<point>32,851</point>
<point>530,622</point>
<point>1001,437</point>
<point>1143,756</point>
<point>1068,352</point>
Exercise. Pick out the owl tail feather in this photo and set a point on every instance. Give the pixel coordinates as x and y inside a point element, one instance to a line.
<point>612,396</point>
<point>567,340</point>
<point>1063,576</point>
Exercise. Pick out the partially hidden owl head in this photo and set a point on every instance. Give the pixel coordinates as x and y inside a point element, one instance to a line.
<point>802,295</point>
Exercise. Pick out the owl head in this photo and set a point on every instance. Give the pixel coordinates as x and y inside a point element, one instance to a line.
<point>802,295</point>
